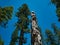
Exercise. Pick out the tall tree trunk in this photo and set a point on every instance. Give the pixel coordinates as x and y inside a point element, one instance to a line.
<point>21,37</point>
<point>35,33</point>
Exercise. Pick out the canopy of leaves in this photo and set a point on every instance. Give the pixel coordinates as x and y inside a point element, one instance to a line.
<point>56,33</point>
<point>5,14</point>
<point>23,10</point>
<point>22,14</point>
<point>53,38</point>
<point>57,3</point>
<point>50,38</point>
<point>23,22</point>
<point>21,25</point>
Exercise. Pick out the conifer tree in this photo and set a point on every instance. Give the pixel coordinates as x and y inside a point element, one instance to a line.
<point>5,15</point>
<point>57,33</point>
<point>53,38</point>
<point>21,25</point>
<point>23,22</point>
<point>50,38</point>
<point>57,3</point>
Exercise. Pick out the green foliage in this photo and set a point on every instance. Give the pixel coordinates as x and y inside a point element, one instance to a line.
<point>50,38</point>
<point>57,33</point>
<point>58,12</point>
<point>48,32</point>
<point>14,37</point>
<point>57,3</point>
<point>22,15</point>
<point>5,14</point>
<point>21,25</point>
<point>53,38</point>
<point>1,41</point>
<point>53,1</point>
<point>23,10</point>
<point>55,28</point>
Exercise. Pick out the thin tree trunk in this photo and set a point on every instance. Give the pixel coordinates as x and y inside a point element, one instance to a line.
<point>21,37</point>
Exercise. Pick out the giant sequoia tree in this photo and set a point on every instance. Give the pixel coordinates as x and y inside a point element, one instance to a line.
<point>5,14</point>
<point>21,25</point>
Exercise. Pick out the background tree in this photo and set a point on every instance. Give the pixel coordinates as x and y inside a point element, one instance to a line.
<point>22,24</point>
<point>5,15</point>
<point>57,33</point>
<point>57,3</point>
<point>50,38</point>
<point>53,38</point>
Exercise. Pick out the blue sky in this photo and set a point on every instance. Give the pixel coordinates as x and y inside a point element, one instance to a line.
<point>45,13</point>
